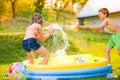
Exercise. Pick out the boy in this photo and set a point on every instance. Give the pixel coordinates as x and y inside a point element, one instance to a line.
<point>114,40</point>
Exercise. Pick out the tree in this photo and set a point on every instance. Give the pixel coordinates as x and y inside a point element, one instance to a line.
<point>60,5</point>
<point>82,2</point>
<point>13,2</point>
<point>2,7</point>
<point>13,7</point>
<point>63,4</point>
<point>39,4</point>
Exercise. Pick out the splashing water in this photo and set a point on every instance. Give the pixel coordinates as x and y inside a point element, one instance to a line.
<point>60,52</point>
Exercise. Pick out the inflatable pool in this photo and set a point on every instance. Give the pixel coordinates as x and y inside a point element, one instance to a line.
<point>68,67</point>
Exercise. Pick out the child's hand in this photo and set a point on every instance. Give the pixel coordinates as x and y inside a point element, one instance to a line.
<point>85,27</point>
<point>51,29</point>
<point>93,29</point>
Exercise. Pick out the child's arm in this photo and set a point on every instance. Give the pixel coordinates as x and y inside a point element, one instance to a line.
<point>45,36</point>
<point>94,29</point>
<point>98,29</point>
<point>49,32</point>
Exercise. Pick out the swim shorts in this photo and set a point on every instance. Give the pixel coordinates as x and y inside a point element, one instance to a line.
<point>30,44</point>
<point>114,40</point>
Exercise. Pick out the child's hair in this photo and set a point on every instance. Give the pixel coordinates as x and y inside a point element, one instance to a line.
<point>36,18</point>
<point>104,11</point>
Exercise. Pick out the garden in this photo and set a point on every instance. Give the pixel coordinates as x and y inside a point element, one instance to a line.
<point>80,41</point>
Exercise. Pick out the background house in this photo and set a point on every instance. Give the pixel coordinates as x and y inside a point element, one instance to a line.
<point>89,13</point>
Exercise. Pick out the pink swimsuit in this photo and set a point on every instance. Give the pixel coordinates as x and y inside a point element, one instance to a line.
<point>32,33</point>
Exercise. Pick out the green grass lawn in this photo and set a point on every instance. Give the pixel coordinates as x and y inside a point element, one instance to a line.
<point>95,44</point>
<point>81,41</point>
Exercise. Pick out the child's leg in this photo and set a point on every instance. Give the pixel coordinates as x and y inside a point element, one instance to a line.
<point>30,57</point>
<point>108,48</point>
<point>44,53</point>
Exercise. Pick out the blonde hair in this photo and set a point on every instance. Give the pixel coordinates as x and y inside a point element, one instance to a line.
<point>36,18</point>
<point>104,11</point>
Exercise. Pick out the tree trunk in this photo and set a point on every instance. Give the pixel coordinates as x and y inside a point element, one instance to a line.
<point>13,8</point>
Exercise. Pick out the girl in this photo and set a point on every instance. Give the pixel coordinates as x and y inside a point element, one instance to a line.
<point>32,33</point>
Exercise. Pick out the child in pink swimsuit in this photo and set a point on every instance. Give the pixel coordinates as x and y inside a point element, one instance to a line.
<point>32,33</point>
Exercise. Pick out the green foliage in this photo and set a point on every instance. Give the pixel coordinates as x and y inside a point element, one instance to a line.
<point>39,4</point>
<point>2,6</point>
<point>83,2</point>
<point>25,10</point>
<point>45,14</point>
<point>49,15</point>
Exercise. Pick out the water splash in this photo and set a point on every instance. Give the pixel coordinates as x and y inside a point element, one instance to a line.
<point>60,52</point>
